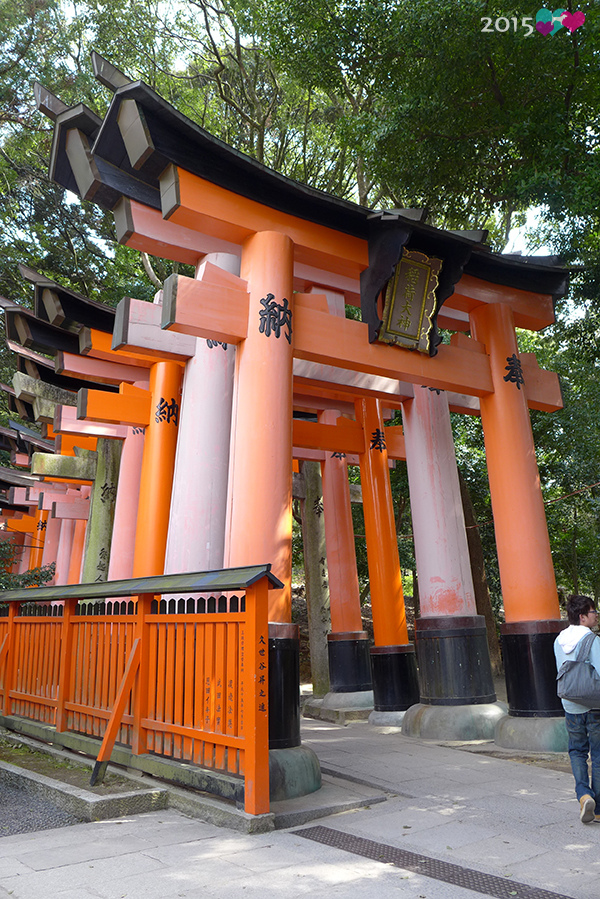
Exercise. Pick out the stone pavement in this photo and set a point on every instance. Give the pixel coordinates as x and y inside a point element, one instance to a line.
<point>456,825</point>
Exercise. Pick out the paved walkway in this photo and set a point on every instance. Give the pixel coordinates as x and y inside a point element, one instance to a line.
<point>456,825</point>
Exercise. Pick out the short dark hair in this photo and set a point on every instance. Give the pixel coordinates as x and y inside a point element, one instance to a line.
<point>578,605</point>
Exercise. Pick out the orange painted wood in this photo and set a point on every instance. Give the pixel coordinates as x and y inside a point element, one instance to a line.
<point>139,741</point>
<point>156,481</point>
<point>343,437</point>
<point>199,677</point>
<point>9,649</point>
<point>170,687</point>
<point>532,311</point>
<point>226,316</point>
<point>189,631</point>
<point>143,228</point>
<point>254,661</point>
<point>262,433</point>
<point>387,599</point>
<point>122,697</point>
<point>220,690</point>
<point>231,693</point>
<point>215,211</point>
<point>100,370</point>
<point>524,555</point>
<point>100,347</point>
<point>543,387</point>
<point>65,443</point>
<point>132,407</point>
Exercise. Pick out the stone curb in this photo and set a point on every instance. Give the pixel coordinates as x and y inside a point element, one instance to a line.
<point>81,803</point>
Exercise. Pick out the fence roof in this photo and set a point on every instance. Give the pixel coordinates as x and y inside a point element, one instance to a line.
<point>193,582</point>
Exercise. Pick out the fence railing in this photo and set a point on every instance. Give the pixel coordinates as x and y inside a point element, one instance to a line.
<point>185,679</point>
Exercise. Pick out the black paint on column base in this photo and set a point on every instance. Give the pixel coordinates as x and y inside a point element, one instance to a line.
<point>349,662</point>
<point>454,660</point>
<point>529,663</point>
<point>395,680</point>
<point>284,686</point>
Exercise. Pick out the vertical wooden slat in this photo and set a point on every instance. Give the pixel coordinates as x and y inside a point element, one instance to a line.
<point>152,679</point>
<point>9,655</point>
<point>169,684</point>
<point>199,680</point>
<point>65,663</point>
<point>85,675</point>
<point>160,680</point>
<point>209,693</point>
<point>179,687</point>
<point>231,691</point>
<point>139,742</point>
<point>189,686</point>
<point>220,690</point>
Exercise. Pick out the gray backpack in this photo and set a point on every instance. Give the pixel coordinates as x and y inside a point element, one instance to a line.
<point>577,679</point>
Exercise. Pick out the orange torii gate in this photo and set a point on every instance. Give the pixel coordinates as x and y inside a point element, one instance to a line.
<point>292,239</point>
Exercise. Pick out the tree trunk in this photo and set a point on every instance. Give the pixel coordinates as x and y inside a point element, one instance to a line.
<point>482,593</point>
<point>316,576</point>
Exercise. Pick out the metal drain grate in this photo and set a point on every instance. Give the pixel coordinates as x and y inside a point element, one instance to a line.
<point>488,884</point>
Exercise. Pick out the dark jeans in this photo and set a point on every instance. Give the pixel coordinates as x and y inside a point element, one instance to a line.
<point>584,740</point>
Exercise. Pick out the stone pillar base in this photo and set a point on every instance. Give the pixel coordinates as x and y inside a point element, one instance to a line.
<point>349,664</point>
<point>454,660</point>
<point>532,734</point>
<point>340,708</point>
<point>530,666</point>
<point>453,722</point>
<point>395,680</point>
<point>293,772</point>
<point>284,686</point>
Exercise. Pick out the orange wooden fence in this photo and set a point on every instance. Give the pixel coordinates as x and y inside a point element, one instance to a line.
<point>183,678</point>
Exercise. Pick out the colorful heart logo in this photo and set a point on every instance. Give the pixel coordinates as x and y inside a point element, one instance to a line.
<point>551,22</point>
<point>573,20</point>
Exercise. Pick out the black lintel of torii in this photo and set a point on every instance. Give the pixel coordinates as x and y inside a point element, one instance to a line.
<point>16,406</point>
<point>23,327</point>
<point>37,366</point>
<point>65,308</point>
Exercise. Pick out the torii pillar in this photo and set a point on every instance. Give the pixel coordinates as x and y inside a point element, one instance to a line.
<point>260,488</point>
<point>458,700</point>
<point>393,660</point>
<point>531,608</point>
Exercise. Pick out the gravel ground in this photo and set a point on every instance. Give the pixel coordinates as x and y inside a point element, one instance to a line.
<point>20,812</point>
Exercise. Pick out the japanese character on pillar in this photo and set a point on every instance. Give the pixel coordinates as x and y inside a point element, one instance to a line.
<point>515,371</point>
<point>378,440</point>
<point>275,316</point>
<point>167,412</point>
<point>338,455</point>
<point>41,525</point>
<point>213,343</point>
<point>108,492</point>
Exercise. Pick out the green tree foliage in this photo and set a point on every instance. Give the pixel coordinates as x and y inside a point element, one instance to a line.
<point>10,553</point>
<point>387,102</point>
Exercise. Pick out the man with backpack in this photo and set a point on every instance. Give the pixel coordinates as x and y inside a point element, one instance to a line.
<point>582,720</point>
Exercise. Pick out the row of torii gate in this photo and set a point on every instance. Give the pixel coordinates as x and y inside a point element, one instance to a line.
<point>176,453</point>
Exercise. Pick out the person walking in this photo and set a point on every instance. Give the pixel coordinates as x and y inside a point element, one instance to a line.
<point>583,722</point>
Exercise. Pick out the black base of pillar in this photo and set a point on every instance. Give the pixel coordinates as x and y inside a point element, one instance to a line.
<point>395,681</point>
<point>349,663</point>
<point>284,686</point>
<point>454,660</point>
<point>530,667</point>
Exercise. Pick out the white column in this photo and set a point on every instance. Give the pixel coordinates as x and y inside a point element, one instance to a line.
<point>442,554</point>
<point>199,499</point>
